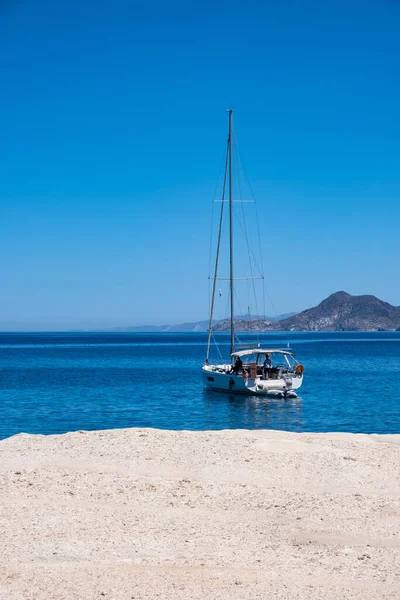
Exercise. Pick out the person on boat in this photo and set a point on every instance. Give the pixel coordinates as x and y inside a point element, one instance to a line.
<point>266,366</point>
<point>238,366</point>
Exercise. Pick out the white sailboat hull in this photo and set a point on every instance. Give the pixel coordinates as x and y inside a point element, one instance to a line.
<point>221,380</point>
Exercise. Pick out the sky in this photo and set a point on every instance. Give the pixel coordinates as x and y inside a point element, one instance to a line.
<point>113,128</point>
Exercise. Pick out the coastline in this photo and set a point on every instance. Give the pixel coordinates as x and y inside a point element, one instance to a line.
<point>146,513</point>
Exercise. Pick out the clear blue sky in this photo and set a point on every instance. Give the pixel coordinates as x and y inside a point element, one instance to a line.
<point>113,125</point>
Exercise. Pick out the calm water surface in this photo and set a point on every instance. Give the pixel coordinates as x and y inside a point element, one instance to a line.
<point>53,383</point>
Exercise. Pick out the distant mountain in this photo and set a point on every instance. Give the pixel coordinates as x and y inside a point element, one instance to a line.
<point>261,318</point>
<point>343,312</point>
<point>338,312</point>
<point>190,327</point>
<point>182,327</point>
<point>245,325</point>
<point>142,328</point>
<point>196,326</point>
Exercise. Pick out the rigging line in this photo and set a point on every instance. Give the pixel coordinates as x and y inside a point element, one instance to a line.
<point>265,291</point>
<point>238,172</point>
<point>212,211</point>
<point>263,286</point>
<point>254,287</point>
<point>249,248</point>
<point>209,262</point>
<point>241,312</point>
<point>240,309</point>
<point>225,318</point>
<point>217,347</point>
<point>246,237</point>
<point>272,304</point>
<point>210,245</point>
<point>226,313</point>
<point>231,267</point>
<point>209,296</point>
<point>249,252</point>
<point>217,255</point>
<point>249,306</point>
<point>255,299</point>
<point>237,339</point>
<point>240,196</point>
<point>254,198</point>
<point>238,303</point>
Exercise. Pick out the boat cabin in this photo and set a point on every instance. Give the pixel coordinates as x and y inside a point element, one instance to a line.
<point>269,363</point>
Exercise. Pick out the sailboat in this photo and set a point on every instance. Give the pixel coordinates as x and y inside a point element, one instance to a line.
<point>253,369</point>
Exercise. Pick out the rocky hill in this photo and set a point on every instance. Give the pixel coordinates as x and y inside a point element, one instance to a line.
<point>338,312</point>
<point>198,326</point>
<point>249,325</point>
<point>343,312</point>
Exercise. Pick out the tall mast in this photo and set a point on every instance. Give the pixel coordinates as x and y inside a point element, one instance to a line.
<point>217,256</point>
<point>231,234</point>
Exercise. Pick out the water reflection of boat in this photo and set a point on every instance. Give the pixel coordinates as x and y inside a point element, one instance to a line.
<point>237,411</point>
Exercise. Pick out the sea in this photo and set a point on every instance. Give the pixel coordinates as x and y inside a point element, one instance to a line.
<point>52,383</point>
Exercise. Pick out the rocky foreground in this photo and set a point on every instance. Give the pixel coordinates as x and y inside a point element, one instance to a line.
<point>135,514</point>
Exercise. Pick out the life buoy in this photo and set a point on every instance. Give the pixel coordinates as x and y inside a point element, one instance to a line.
<point>299,369</point>
<point>244,375</point>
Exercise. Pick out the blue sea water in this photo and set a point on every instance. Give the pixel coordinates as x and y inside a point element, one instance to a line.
<point>58,382</point>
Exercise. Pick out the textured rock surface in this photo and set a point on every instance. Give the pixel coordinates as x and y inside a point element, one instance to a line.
<point>234,514</point>
<point>343,312</point>
<point>338,312</point>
